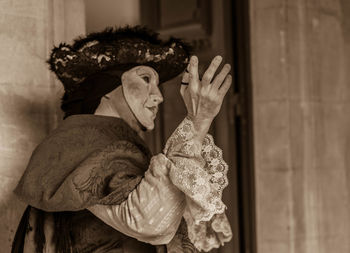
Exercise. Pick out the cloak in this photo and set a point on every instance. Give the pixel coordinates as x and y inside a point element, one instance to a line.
<point>87,160</point>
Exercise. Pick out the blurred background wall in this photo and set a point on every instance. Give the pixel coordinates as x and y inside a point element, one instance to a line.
<point>103,13</point>
<point>29,95</point>
<point>301,76</point>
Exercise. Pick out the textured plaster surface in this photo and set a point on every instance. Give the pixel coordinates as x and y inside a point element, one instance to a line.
<point>300,57</point>
<point>29,94</point>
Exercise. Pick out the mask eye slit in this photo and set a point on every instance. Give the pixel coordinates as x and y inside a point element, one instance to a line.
<point>146,79</point>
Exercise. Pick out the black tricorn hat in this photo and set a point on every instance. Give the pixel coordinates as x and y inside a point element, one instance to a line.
<point>117,50</point>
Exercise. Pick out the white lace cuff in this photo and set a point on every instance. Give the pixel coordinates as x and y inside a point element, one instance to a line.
<point>200,172</point>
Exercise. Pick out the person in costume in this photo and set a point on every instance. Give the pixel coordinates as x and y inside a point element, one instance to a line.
<point>93,186</point>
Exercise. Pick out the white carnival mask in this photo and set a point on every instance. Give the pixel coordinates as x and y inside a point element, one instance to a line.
<point>141,92</point>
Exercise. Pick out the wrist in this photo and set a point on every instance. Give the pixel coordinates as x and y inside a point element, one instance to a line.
<point>200,121</point>
<point>201,126</point>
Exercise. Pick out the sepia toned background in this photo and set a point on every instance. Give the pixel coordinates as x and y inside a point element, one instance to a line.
<point>284,126</point>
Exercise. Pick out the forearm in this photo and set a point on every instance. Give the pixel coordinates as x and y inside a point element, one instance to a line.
<point>152,212</point>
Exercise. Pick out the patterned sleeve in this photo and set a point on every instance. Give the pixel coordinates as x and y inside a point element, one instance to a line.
<point>199,171</point>
<point>152,211</point>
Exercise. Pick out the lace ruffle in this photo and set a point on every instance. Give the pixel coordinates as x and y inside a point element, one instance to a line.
<point>201,173</point>
<point>211,234</point>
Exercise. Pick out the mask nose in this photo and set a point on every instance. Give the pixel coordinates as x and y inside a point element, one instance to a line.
<point>156,96</point>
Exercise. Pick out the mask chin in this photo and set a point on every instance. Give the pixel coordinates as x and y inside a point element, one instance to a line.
<point>142,114</point>
<point>147,126</point>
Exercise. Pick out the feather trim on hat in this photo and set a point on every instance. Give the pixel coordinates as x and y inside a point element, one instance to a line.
<point>117,49</point>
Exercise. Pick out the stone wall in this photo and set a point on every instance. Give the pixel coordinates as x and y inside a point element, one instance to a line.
<point>112,13</point>
<point>29,94</point>
<point>301,95</point>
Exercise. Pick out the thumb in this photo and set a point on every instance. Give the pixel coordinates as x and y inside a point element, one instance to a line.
<point>183,89</point>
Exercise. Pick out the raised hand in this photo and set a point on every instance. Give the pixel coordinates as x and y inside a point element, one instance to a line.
<point>203,98</point>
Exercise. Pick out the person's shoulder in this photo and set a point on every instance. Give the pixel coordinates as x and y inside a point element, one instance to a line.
<point>80,135</point>
<point>91,121</point>
<point>89,125</point>
<point>85,130</point>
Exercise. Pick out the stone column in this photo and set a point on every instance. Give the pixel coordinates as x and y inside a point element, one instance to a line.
<point>301,95</point>
<point>29,93</point>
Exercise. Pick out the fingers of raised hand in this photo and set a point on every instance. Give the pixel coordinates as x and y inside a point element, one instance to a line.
<point>183,89</point>
<point>225,86</point>
<point>193,68</point>
<point>193,74</point>
<point>219,79</point>
<point>210,72</point>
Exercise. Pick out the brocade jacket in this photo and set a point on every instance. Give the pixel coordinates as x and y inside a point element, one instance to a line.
<point>90,186</point>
